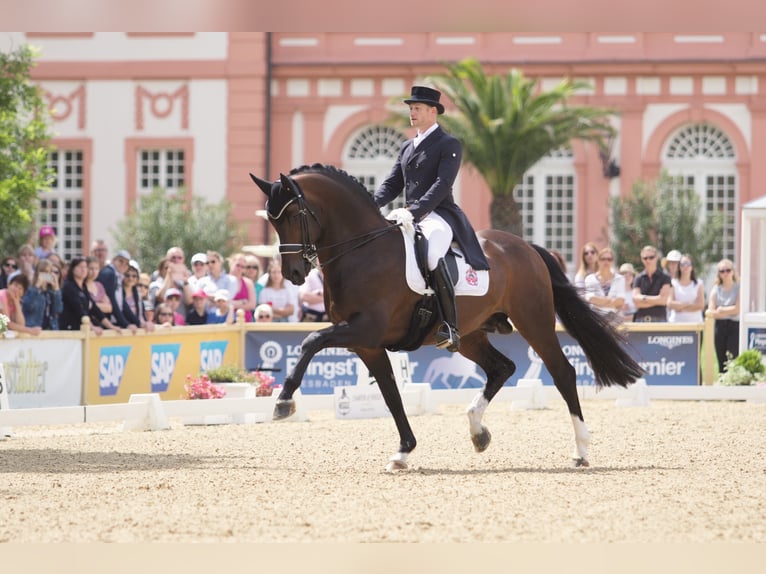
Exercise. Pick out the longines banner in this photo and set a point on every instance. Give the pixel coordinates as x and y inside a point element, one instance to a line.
<point>669,358</point>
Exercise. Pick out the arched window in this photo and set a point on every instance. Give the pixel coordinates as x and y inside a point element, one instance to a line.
<point>546,197</point>
<point>703,158</point>
<point>370,155</point>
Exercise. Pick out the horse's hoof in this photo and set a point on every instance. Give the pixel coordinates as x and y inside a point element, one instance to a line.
<point>283,409</point>
<point>481,440</point>
<point>395,465</point>
<point>580,463</point>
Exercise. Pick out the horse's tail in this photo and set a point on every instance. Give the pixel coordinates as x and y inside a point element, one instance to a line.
<point>603,344</point>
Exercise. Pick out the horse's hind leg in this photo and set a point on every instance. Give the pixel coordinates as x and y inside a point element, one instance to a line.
<point>476,347</point>
<point>565,379</point>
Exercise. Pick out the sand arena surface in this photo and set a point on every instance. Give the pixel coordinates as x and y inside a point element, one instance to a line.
<point>673,472</point>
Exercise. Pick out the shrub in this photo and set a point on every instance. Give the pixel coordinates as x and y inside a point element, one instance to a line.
<point>230,374</point>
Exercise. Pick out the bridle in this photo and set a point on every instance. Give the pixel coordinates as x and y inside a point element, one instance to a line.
<point>307,248</point>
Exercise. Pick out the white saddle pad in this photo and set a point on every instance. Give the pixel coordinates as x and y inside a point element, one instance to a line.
<point>470,282</point>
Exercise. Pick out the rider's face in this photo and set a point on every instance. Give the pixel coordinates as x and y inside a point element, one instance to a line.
<point>422,116</point>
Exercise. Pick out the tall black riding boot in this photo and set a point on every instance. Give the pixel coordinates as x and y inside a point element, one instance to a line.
<point>447,336</point>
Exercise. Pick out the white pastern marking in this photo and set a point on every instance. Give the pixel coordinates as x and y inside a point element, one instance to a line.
<point>475,413</point>
<point>582,438</point>
<point>399,457</point>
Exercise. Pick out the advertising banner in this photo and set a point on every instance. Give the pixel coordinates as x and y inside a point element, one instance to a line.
<point>155,363</point>
<point>756,338</point>
<point>668,357</point>
<point>42,372</point>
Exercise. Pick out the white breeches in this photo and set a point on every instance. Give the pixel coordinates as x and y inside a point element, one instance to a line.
<point>439,235</point>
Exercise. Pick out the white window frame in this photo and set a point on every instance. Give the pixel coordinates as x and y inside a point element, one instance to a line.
<point>62,206</point>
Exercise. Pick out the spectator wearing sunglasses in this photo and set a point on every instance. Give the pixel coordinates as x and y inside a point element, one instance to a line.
<point>263,314</point>
<point>164,315</point>
<point>9,265</point>
<point>588,264</point>
<point>723,306</point>
<point>605,289</point>
<point>651,289</point>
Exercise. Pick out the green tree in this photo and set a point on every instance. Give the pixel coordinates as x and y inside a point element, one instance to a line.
<point>506,125</point>
<point>163,220</point>
<point>24,147</point>
<point>665,214</point>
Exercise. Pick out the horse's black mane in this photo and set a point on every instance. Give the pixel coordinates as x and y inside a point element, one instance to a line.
<point>337,174</point>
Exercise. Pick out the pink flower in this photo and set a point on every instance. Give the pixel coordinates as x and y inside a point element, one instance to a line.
<point>202,388</point>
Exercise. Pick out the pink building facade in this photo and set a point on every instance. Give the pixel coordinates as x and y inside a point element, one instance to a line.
<point>199,111</point>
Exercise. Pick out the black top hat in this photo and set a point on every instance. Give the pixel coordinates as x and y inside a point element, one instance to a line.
<point>424,95</point>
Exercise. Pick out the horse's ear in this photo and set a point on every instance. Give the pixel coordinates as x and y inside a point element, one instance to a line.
<point>263,184</point>
<point>286,182</point>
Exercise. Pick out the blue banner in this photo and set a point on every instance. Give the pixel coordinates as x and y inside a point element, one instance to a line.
<point>669,358</point>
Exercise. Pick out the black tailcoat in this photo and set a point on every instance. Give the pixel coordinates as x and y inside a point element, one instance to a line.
<point>426,175</point>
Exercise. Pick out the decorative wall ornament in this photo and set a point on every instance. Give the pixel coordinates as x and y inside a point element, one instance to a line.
<point>162,104</point>
<point>61,106</point>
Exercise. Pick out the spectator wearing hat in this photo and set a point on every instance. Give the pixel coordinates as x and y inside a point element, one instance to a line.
<point>628,307</point>
<point>223,311</point>
<point>263,314</point>
<point>198,271</point>
<point>46,242</point>
<point>197,313</point>
<point>671,261</point>
<point>111,277</point>
<point>173,300</point>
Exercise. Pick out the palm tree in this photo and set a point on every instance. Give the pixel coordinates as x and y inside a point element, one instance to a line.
<point>506,126</point>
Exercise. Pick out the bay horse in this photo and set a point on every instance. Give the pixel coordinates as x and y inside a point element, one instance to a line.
<point>326,217</point>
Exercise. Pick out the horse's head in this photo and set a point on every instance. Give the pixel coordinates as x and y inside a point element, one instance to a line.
<point>295,223</point>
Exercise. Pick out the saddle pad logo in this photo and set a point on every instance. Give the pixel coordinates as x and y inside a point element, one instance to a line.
<point>111,368</point>
<point>471,277</point>
<point>164,359</point>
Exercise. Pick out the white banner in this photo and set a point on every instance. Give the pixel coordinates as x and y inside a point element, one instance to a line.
<point>42,372</point>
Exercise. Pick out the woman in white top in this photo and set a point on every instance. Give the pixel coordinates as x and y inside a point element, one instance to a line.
<point>605,289</point>
<point>588,264</point>
<point>278,295</point>
<point>687,297</point>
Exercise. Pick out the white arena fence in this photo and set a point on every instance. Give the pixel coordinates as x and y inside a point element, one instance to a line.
<point>360,399</point>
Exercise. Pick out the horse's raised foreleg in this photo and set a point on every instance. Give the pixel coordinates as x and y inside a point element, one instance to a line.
<point>498,368</point>
<point>333,336</point>
<point>378,363</point>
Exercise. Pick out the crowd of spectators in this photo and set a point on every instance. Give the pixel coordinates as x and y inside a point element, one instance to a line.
<point>666,289</point>
<point>39,291</point>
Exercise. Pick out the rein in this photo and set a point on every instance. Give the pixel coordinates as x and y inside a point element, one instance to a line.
<point>307,248</point>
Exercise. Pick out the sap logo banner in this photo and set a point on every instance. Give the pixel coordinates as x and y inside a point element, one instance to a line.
<point>211,354</point>
<point>111,368</point>
<point>164,359</point>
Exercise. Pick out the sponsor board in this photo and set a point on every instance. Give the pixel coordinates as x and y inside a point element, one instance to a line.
<point>669,358</point>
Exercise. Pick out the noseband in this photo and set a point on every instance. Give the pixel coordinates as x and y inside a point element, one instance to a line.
<point>307,248</point>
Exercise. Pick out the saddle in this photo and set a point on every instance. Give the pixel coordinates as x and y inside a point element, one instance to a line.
<point>425,313</point>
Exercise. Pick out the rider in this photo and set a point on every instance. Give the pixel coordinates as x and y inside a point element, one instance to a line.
<point>425,170</point>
